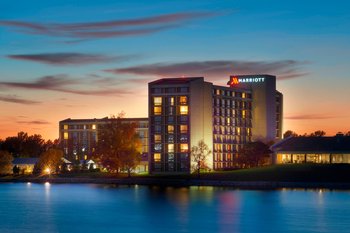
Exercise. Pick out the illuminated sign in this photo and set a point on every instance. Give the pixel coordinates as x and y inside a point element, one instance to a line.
<point>234,80</point>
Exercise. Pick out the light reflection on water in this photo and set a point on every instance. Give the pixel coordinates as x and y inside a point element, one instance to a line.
<point>106,208</point>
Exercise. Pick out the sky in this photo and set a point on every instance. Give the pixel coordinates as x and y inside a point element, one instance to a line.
<point>91,59</point>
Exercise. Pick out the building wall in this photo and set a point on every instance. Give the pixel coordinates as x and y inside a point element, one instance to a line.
<point>324,157</point>
<point>169,133</point>
<point>201,117</point>
<point>224,117</point>
<point>79,137</point>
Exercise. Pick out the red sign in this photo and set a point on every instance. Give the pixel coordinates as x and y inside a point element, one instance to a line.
<point>233,81</point>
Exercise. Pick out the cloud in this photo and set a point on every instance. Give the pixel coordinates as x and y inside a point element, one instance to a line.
<point>310,117</point>
<point>16,100</point>
<point>65,84</point>
<point>107,29</point>
<point>35,122</point>
<point>66,58</point>
<point>285,69</point>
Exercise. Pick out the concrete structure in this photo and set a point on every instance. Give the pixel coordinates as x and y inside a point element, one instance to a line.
<point>312,150</point>
<point>79,137</point>
<point>183,111</point>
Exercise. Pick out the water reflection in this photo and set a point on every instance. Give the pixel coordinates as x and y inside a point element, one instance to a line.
<point>110,208</point>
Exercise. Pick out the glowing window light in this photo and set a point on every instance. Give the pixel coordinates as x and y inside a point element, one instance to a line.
<point>184,110</point>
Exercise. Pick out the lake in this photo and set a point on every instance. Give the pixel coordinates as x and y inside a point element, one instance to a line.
<point>107,208</point>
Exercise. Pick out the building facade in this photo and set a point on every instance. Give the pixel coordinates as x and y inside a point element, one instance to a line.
<point>312,150</point>
<point>79,137</point>
<point>183,111</point>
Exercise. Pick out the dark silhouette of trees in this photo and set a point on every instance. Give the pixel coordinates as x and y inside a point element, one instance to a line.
<point>199,154</point>
<point>24,145</point>
<point>253,154</point>
<point>5,162</point>
<point>347,134</point>
<point>119,146</point>
<point>289,133</point>
<point>318,133</point>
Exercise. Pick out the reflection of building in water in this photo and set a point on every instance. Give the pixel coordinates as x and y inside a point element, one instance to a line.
<point>312,150</point>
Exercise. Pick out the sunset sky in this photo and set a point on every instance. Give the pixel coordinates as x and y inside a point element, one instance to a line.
<point>89,59</point>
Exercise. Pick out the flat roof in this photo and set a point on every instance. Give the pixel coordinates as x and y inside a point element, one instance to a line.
<point>181,80</point>
<point>68,120</point>
<point>337,144</point>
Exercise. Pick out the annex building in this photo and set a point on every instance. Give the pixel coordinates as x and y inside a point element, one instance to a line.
<point>183,111</point>
<point>79,137</point>
<point>312,150</point>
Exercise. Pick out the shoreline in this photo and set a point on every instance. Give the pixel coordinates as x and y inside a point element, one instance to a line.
<point>259,185</point>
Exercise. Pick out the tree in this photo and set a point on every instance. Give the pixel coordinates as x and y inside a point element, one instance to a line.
<point>199,154</point>
<point>118,146</point>
<point>318,133</point>
<point>5,162</point>
<point>24,145</point>
<point>253,154</point>
<point>348,133</point>
<point>50,160</point>
<point>289,133</point>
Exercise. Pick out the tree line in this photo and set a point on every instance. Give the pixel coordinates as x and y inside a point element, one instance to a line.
<point>317,133</point>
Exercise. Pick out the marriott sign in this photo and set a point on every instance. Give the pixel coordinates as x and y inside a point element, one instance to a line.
<point>234,80</point>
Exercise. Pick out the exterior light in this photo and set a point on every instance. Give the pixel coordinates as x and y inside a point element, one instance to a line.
<point>48,170</point>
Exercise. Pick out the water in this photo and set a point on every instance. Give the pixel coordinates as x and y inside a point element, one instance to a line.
<point>105,208</point>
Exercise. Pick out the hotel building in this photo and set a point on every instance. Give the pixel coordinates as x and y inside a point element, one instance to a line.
<point>79,137</point>
<point>183,111</point>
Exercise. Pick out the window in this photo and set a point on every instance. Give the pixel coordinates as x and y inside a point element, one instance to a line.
<point>183,147</point>
<point>184,110</point>
<point>158,147</point>
<point>157,110</point>
<point>93,126</point>
<point>243,113</point>
<point>85,157</point>
<point>171,148</point>
<point>170,129</point>
<point>157,138</point>
<point>171,138</point>
<point>157,128</point>
<point>157,157</point>
<point>156,90</point>
<point>65,135</point>
<point>157,101</point>
<point>171,111</point>
<point>171,101</point>
<point>183,128</point>
<point>183,138</point>
<point>171,157</point>
<point>65,126</point>
<point>183,100</point>
<point>243,95</point>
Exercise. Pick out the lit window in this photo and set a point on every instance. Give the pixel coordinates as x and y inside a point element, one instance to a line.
<point>65,126</point>
<point>93,126</point>
<point>183,128</point>
<point>243,113</point>
<point>170,129</point>
<point>157,157</point>
<point>157,101</point>
<point>183,99</point>
<point>171,101</point>
<point>183,147</point>
<point>217,91</point>
<point>238,130</point>
<point>228,120</point>
<point>243,95</point>
<point>158,147</point>
<point>157,138</point>
<point>248,131</point>
<point>184,110</point>
<point>170,148</point>
<point>157,110</point>
<point>85,157</point>
<point>65,135</point>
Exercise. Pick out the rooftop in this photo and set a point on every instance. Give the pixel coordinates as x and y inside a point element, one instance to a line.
<point>170,81</point>
<point>337,144</point>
